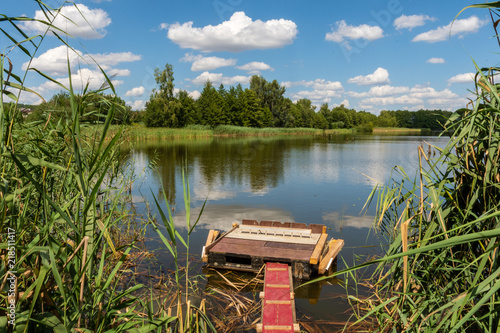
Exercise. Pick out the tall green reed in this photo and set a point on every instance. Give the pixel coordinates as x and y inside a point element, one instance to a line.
<point>440,272</point>
<point>192,318</point>
<point>54,198</point>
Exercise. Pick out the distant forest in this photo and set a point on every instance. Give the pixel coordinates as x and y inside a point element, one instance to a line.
<point>262,104</point>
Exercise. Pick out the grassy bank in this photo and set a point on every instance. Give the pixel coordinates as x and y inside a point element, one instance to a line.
<point>139,132</point>
<point>381,130</point>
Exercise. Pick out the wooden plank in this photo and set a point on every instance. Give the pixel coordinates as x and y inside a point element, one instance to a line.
<point>256,248</point>
<point>278,310</point>
<point>276,285</point>
<point>220,238</point>
<point>249,222</point>
<point>277,327</point>
<point>299,225</point>
<point>278,302</point>
<point>335,247</point>
<point>212,234</point>
<point>282,224</point>
<point>292,297</point>
<point>284,238</point>
<point>316,255</point>
<point>275,230</point>
<point>266,223</point>
<point>317,228</point>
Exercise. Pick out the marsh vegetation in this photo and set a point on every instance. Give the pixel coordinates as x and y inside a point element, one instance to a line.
<point>72,247</point>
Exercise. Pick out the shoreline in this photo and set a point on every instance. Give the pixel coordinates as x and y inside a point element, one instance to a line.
<point>138,133</point>
<point>379,130</point>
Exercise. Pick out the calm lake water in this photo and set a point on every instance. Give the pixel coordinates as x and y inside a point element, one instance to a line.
<point>322,180</point>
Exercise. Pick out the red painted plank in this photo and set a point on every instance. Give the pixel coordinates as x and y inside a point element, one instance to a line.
<point>277,294</point>
<point>277,306</point>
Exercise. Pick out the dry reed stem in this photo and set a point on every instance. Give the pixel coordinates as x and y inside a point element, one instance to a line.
<point>404,240</point>
<point>82,280</point>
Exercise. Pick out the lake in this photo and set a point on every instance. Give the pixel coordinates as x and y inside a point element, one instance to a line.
<point>324,179</point>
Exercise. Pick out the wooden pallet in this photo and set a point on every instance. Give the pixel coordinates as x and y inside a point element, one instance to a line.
<point>249,246</point>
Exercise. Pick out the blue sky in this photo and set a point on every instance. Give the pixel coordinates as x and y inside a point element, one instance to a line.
<point>367,54</point>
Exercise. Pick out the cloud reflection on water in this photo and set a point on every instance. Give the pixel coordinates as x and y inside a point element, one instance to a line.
<point>337,221</point>
<point>222,217</point>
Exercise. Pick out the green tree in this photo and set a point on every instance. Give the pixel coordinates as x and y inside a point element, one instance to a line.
<point>231,98</point>
<point>320,121</point>
<point>251,113</point>
<point>386,119</point>
<point>162,108</point>
<point>340,117</point>
<point>271,95</point>
<point>187,109</point>
<point>306,110</point>
<point>211,107</point>
<point>165,81</point>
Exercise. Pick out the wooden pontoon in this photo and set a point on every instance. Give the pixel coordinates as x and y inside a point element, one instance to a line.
<point>247,247</point>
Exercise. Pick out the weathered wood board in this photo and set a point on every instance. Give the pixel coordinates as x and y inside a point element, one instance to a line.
<point>249,246</point>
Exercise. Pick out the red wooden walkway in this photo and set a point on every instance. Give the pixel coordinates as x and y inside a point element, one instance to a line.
<point>278,305</point>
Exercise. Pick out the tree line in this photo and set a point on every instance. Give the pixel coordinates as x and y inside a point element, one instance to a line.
<point>263,104</point>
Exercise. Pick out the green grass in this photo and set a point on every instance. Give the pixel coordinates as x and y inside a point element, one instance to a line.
<point>378,130</point>
<point>139,132</point>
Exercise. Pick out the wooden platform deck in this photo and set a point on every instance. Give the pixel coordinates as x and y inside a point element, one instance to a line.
<point>247,247</point>
<point>278,304</point>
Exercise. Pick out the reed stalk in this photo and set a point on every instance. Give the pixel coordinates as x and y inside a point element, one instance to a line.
<point>440,272</point>
<point>59,210</point>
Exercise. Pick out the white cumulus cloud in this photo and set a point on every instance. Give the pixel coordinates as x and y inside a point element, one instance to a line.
<point>462,78</point>
<point>379,91</point>
<point>429,92</point>
<point>218,78</point>
<point>195,94</point>
<point>345,102</point>
<point>436,61</point>
<point>238,34</point>
<point>459,27</point>
<point>55,61</point>
<point>391,100</point>
<point>137,91</point>
<point>317,95</point>
<point>380,76</point>
<point>344,32</point>
<point>118,72</point>
<point>114,58</point>
<point>137,105</point>
<point>318,84</point>
<point>448,103</point>
<point>80,79</point>
<point>255,67</point>
<point>209,63</point>
<point>323,90</point>
<point>76,20</point>
<point>411,21</point>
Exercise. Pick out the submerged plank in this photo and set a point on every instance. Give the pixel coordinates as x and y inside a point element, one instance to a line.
<point>335,246</point>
